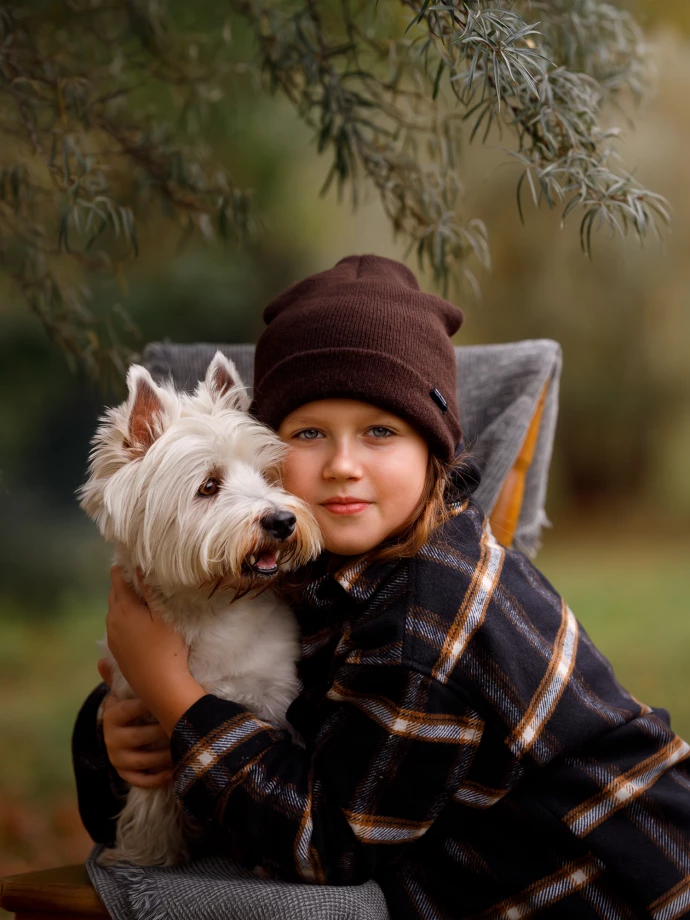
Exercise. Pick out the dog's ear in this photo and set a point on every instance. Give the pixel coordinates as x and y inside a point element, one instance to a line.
<point>224,382</point>
<point>145,410</point>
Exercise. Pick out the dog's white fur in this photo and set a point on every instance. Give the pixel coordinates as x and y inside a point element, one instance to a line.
<point>150,457</point>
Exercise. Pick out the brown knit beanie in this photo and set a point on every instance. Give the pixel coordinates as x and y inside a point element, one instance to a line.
<point>361,330</point>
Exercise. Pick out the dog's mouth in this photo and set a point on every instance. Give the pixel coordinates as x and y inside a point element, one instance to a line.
<point>263,562</point>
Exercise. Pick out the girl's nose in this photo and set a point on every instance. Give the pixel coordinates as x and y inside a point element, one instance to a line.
<point>342,463</point>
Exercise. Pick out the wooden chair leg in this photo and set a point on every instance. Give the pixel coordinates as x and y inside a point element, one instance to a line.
<point>52,894</point>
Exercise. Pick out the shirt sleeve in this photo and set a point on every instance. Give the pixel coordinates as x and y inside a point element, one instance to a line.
<point>607,767</point>
<point>391,748</point>
<point>101,792</point>
<point>627,798</point>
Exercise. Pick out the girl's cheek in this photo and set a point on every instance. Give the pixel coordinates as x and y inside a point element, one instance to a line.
<point>299,475</point>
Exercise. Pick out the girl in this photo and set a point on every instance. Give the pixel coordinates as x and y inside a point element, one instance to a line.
<point>466,746</point>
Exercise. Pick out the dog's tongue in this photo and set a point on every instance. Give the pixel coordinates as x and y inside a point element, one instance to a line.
<point>266,561</point>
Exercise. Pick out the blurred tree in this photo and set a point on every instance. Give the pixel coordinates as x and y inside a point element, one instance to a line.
<point>107,109</point>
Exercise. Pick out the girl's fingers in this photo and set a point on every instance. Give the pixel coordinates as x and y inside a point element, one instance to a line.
<point>125,711</point>
<point>136,736</point>
<point>117,579</point>
<point>143,760</point>
<point>146,780</point>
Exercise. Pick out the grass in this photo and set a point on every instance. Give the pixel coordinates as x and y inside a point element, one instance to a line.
<point>634,601</point>
<point>632,598</point>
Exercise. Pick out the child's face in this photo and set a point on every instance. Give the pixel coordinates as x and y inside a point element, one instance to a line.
<point>344,449</point>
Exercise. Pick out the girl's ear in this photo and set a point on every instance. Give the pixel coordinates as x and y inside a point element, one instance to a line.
<point>223,382</point>
<point>145,411</point>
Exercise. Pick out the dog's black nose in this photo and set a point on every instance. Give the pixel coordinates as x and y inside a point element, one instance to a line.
<point>280,525</point>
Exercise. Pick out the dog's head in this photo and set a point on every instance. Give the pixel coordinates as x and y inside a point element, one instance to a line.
<point>189,485</point>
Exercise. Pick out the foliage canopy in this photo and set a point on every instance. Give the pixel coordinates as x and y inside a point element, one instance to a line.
<point>106,106</point>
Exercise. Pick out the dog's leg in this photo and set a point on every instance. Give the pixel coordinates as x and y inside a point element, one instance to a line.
<point>149,830</point>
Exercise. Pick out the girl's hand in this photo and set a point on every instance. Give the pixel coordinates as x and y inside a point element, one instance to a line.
<point>153,657</point>
<point>140,753</point>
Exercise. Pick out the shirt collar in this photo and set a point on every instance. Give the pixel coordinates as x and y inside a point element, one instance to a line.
<point>360,580</point>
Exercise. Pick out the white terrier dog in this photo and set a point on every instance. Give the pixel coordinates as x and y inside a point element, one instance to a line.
<point>186,488</point>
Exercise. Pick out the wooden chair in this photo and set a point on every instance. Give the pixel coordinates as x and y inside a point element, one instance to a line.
<point>54,894</point>
<point>66,892</point>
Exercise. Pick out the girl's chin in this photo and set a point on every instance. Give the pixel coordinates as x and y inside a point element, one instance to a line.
<point>341,546</point>
<point>347,536</point>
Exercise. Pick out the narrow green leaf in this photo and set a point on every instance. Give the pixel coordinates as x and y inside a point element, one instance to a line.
<point>418,17</point>
<point>437,81</point>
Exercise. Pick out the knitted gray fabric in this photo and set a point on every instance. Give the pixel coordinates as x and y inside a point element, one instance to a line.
<point>498,390</point>
<point>213,888</point>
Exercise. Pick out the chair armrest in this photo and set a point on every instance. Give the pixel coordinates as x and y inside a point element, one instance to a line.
<point>52,894</point>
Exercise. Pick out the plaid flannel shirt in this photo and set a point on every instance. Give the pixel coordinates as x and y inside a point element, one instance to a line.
<point>466,746</point>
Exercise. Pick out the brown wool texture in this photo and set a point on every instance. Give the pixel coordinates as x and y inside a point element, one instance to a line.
<point>361,330</point>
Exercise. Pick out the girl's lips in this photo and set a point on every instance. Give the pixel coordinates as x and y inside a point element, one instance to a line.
<point>346,507</point>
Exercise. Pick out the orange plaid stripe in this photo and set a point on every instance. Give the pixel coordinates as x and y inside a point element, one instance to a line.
<point>474,605</point>
<point>381,829</point>
<point>209,750</point>
<point>551,687</point>
<point>590,814</point>
<point>478,796</point>
<point>675,903</point>
<point>429,726</point>
<point>546,892</point>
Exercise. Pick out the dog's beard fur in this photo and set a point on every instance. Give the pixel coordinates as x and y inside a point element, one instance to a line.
<point>200,554</point>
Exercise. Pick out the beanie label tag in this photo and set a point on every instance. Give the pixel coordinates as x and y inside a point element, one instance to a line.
<point>439,400</point>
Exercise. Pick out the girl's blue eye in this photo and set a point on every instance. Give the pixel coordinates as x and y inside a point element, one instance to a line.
<point>377,429</point>
<point>309,434</point>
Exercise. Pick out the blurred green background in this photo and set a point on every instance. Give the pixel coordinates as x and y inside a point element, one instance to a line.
<point>619,496</point>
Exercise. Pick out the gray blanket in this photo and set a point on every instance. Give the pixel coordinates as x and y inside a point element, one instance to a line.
<point>212,888</point>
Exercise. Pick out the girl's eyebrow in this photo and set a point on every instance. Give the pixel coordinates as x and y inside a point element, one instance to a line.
<point>374,416</point>
<point>301,420</point>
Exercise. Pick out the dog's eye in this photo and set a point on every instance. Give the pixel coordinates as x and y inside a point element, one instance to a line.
<point>210,487</point>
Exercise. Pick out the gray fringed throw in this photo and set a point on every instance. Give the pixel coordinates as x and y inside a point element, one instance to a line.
<point>214,888</point>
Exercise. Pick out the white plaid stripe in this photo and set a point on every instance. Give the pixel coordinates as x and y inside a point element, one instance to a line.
<point>552,889</point>
<point>550,691</point>
<point>675,903</point>
<point>472,617</point>
<point>623,789</point>
<point>349,575</point>
<point>478,797</point>
<point>380,829</point>
<point>314,643</point>
<point>422,625</point>
<point>203,758</point>
<point>599,897</point>
<point>411,724</point>
<point>421,900</point>
<point>303,845</point>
